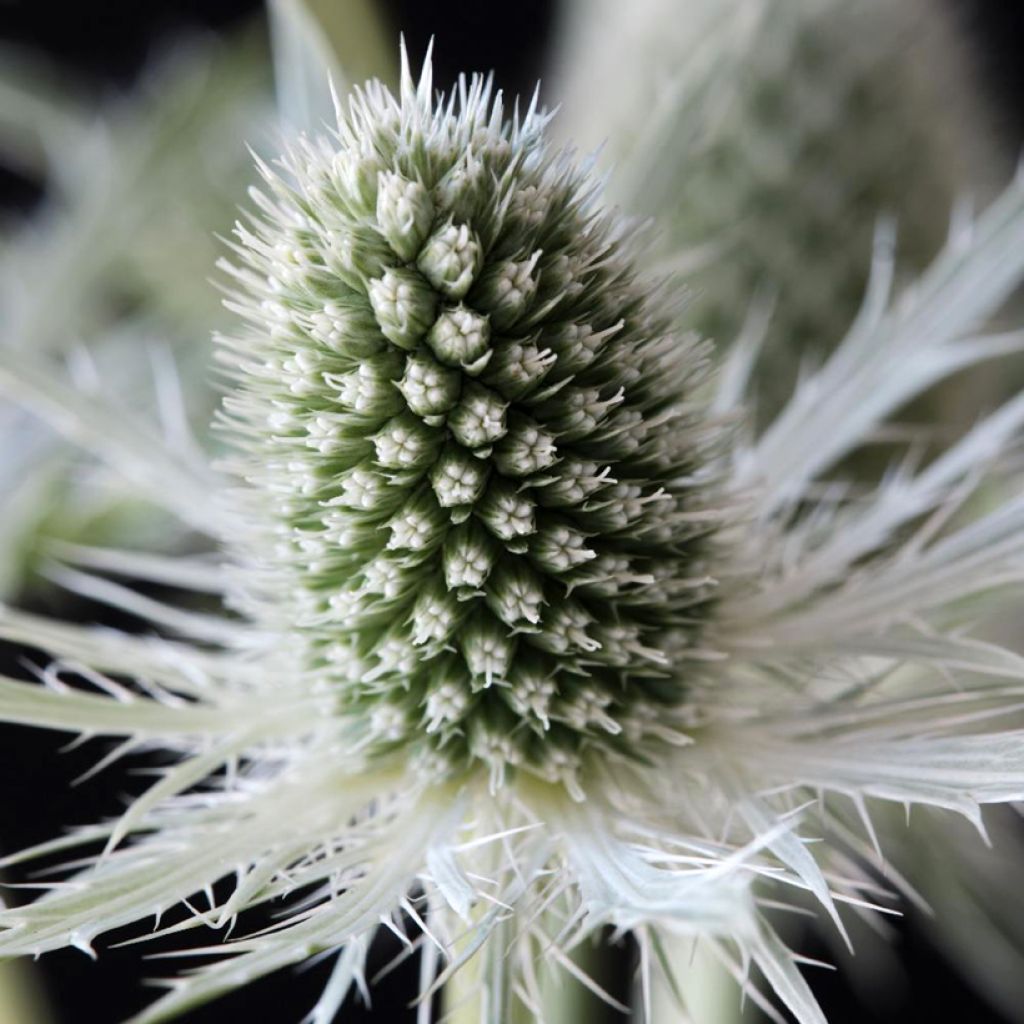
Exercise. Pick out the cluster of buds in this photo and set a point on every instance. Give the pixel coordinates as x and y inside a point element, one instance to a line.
<point>468,427</point>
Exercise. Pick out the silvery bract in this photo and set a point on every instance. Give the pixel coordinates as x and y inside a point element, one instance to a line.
<point>526,632</point>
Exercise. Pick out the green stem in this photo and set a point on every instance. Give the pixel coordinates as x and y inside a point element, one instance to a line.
<point>480,992</point>
<point>21,1000</point>
<point>709,991</point>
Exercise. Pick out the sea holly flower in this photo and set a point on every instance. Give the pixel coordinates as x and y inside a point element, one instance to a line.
<point>526,632</point>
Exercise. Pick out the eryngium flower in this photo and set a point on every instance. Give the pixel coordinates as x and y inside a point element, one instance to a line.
<point>520,643</point>
<point>468,434</point>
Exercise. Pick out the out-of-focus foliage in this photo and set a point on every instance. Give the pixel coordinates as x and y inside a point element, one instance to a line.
<point>769,136</point>
<point>317,42</point>
<point>119,256</point>
<point>972,891</point>
<point>135,190</point>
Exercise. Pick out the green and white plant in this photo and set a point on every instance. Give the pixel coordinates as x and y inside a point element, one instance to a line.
<point>527,631</point>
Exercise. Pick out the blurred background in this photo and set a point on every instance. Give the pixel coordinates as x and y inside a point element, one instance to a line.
<point>123,129</point>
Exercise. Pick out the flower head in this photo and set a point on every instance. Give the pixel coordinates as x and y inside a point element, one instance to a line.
<point>519,639</point>
<point>466,428</point>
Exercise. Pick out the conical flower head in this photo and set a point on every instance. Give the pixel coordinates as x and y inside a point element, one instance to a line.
<point>466,424</point>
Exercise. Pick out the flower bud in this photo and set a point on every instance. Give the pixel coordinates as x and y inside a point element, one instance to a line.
<point>469,557</point>
<point>405,213</point>
<point>479,418</point>
<point>460,338</point>
<point>506,290</point>
<point>404,306</point>
<point>406,443</point>
<point>451,260</point>
<point>458,478</point>
<point>525,450</point>
<point>429,388</point>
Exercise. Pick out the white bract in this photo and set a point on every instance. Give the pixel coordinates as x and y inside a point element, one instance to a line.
<point>528,632</point>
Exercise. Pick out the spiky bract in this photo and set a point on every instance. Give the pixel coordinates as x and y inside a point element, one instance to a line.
<point>466,426</point>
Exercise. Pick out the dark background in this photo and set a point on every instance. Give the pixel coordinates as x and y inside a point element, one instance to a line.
<point>108,43</point>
